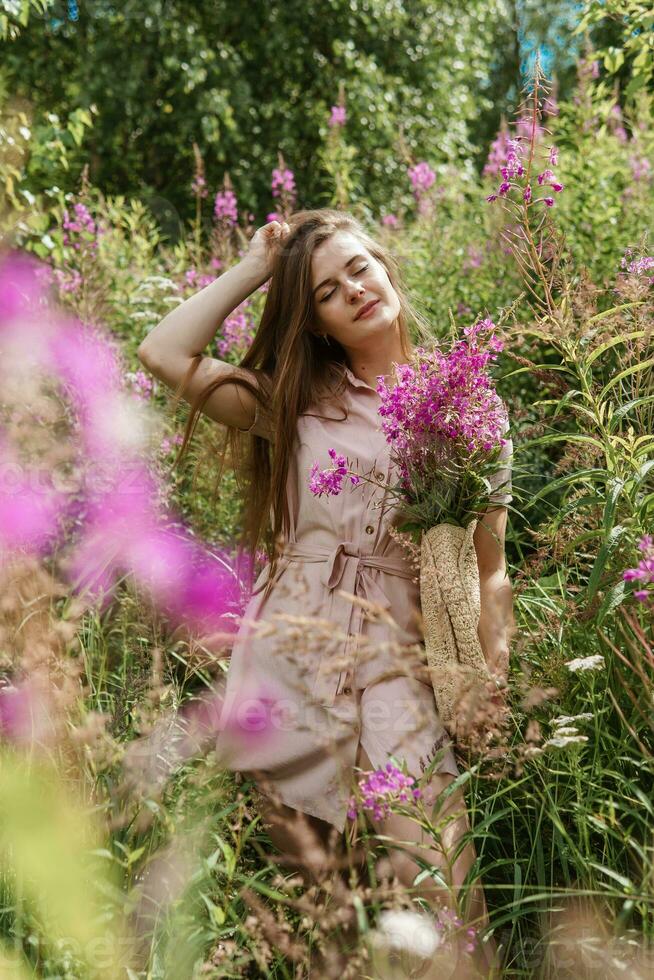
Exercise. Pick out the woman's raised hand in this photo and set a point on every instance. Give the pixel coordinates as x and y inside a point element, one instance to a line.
<point>266,242</point>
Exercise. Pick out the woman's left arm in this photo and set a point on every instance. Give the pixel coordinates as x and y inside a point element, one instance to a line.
<point>496,621</point>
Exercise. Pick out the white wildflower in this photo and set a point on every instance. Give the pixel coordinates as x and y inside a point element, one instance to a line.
<point>567,730</point>
<point>402,929</point>
<point>561,741</point>
<point>568,719</point>
<point>594,662</point>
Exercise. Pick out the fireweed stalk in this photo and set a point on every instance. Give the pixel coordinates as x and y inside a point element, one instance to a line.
<point>526,200</point>
<point>443,420</point>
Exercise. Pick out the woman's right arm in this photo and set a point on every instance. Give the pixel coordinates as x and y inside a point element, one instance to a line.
<point>170,347</point>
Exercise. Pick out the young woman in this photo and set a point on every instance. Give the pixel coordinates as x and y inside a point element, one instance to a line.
<point>336,317</point>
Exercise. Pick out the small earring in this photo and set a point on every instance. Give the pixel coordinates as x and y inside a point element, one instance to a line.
<point>325,337</point>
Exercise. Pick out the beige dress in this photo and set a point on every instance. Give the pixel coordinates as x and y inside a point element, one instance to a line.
<point>312,676</point>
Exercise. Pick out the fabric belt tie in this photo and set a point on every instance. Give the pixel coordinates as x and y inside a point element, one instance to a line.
<point>347,569</point>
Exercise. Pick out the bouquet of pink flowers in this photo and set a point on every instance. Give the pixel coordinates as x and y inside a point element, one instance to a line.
<point>445,424</point>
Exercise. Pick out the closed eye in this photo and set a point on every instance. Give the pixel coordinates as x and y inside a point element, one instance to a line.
<point>362,269</point>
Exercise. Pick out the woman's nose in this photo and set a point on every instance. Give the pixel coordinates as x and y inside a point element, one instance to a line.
<point>355,289</point>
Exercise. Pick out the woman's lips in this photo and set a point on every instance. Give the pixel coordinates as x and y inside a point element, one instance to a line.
<point>367,310</point>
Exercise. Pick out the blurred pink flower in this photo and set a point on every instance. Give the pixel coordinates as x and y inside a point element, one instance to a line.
<point>421,176</point>
<point>225,207</point>
<point>118,526</point>
<point>21,286</point>
<point>26,713</point>
<point>338,116</point>
<point>283,181</point>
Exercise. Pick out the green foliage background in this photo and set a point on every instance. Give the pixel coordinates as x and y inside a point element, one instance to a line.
<point>423,80</point>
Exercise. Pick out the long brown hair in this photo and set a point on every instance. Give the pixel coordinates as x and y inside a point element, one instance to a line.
<point>291,368</point>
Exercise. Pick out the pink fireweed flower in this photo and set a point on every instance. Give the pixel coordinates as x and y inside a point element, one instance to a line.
<point>167,445</point>
<point>26,712</point>
<point>273,216</point>
<point>22,290</point>
<point>80,229</point>
<point>389,220</point>
<point>236,333</point>
<point>283,181</point>
<point>637,266</point>
<point>330,480</point>
<point>124,533</point>
<point>641,168</point>
<point>114,524</point>
<point>141,384</point>
<point>337,117</point>
<point>524,127</point>
<point>513,169</point>
<point>474,258</point>
<point>380,789</point>
<point>644,571</point>
<point>549,201</point>
<point>496,154</point>
<point>225,208</point>
<point>31,508</point>
<point>68,280</point>
<point>199,186</point>
<point>553,156</point>
<point>443,406</point>
<point>548,177</point>
<point>421,176</point>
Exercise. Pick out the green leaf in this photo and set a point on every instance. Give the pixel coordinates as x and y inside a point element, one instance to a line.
<point>264,889</point>
<point>643,472</point>
<point>634,369</point>
<point>568,479</point>
<point>602,556</point>
<point>626,883</point>
<point>133,856</point>
<point>623,338</point>
<point>613,598</point>
<point>615,488</point>
<point>622,410</point>
<point>230,857</point>
<point>635,84</point>
<point>613,60</point>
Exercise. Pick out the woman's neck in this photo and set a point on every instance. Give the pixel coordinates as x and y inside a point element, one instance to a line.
<point>371,368</point>
<point>369,365</point>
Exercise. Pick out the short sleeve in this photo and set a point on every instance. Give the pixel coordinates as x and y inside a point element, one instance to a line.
<point>500,481</point>
<point>262,424</point>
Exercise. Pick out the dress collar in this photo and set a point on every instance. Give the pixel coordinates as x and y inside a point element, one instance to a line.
<point>357,382</point>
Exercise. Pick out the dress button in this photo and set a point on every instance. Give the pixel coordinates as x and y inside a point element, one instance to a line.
<point>347,690</point>
<point>369,529</point>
